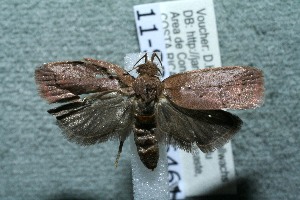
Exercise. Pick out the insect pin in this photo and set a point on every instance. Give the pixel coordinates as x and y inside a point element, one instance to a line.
<point>184,110</point>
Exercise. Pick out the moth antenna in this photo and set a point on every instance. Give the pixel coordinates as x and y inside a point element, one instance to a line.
<point>134,66</point>
<point>144,56</point>
<point>152,59</point>
<point>119,153</point>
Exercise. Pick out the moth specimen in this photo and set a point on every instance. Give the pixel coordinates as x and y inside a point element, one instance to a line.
<point>182,110</point>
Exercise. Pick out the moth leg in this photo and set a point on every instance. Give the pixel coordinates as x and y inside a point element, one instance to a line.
<point>119,153</point>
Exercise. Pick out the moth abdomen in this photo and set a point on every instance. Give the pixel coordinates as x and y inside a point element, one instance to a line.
<point>147,146</point>
<point>145,140</point>
<point>145,120</point>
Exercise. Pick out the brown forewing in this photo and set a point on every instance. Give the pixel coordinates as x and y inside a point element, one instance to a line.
<point>216,88</point>
<point>64,81</point>
<point>113,69</point>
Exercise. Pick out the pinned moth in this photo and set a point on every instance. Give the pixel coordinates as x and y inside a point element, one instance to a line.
<point>184,110</point>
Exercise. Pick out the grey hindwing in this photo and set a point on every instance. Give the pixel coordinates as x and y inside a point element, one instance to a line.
<point>96,119</point>
<point>208,129</point>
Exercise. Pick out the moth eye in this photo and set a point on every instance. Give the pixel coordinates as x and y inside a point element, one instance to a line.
<point>209,115</point>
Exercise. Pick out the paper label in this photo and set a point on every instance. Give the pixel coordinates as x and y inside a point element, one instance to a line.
<point>185,33</point>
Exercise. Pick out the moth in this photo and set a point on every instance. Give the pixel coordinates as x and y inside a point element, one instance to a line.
<point>184,110</point>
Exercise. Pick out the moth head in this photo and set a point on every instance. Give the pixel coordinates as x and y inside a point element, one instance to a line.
<point>149,67</point>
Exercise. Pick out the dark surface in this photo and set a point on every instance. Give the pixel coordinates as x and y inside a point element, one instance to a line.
<point>36,162</point>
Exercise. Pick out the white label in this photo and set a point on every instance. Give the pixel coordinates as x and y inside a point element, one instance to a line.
<point>185,33</point>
